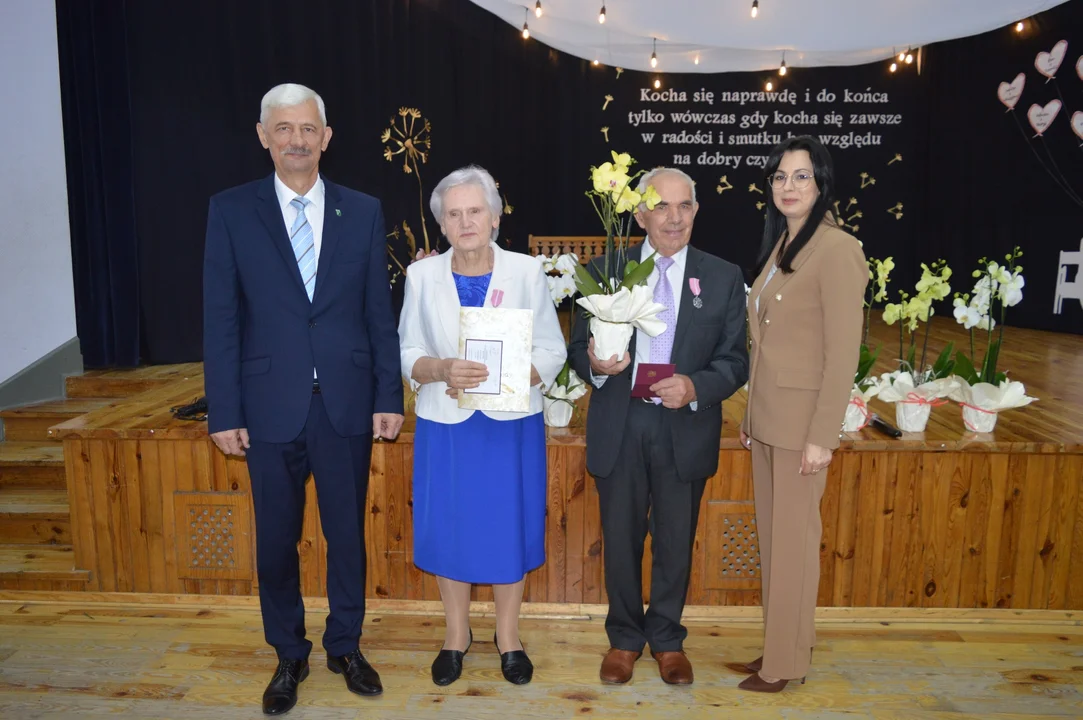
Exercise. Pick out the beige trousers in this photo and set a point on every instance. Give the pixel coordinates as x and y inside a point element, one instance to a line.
<point>789,528</point>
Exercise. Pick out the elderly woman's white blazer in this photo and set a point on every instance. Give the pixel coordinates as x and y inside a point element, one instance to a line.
<point>429,326</point>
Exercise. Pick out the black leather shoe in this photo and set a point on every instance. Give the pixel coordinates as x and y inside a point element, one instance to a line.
<point>448,665</point>
<point>361,678</point>
<point>516,666</point>
<point>281,694</point>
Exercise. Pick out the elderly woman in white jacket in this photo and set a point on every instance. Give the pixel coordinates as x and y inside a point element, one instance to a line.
<point>479,477</point>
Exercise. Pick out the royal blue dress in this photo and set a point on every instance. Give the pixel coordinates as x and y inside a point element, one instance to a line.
<point>479,489</point>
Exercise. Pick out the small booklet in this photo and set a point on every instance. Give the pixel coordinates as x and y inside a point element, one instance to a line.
<point>502,340</point>
<point>648,374</point>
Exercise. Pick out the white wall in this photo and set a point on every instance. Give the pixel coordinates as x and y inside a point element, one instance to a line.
<point>37,303</point>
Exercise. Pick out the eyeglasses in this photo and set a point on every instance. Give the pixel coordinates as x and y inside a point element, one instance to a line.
<point>684,209</point>
<point>801,180</point>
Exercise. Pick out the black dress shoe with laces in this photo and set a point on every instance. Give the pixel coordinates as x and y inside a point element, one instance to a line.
<point>515,665</point>
<point>361,678</point>
<point>281,694</point>
<point>448,665</point>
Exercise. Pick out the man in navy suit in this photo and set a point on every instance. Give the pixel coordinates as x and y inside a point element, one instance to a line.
<point>301,357</point>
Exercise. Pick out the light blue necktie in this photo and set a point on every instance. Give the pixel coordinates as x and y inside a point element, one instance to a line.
<point>304,246</point>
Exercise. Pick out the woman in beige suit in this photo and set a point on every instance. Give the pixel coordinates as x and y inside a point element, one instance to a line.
<point>804,314</point>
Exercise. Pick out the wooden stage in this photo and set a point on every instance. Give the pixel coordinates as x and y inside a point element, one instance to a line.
<point>66,655</point>
<point>943,519</point>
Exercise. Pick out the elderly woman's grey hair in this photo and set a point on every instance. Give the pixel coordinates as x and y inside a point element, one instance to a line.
<point>470,175</point>
<point>647,178</point>
<point>289,95</point>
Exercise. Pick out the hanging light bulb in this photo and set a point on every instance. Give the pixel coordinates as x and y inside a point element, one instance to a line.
<point>769,86</point>
<point>526,29</point>
<point>893,67</point>
<point>596,63</point>
<point>657,83</point>
<point>601,14</point>
<point>1019,26</point>
<point>696,61</point>
<point>782,67</point>
<point>537,9</point>
<point>654,54</point>
<point>755,8</point>
<point>909,57</point>
<point>902,56</point>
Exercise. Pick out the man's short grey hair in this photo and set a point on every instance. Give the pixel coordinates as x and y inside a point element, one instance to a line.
<point>289,95</point>
<point>647,178</point>
<point>470,175</point>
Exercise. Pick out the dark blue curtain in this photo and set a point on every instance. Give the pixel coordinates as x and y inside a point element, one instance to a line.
<point>94,82</point>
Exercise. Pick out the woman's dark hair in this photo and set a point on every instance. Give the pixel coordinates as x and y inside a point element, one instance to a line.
<point>823,170</point>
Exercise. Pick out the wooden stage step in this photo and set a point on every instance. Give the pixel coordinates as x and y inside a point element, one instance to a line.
<point>126,383</point>
<point>31,423</point>
<point>34,516</point>
<point>24,464</point>
<point>40,567</point>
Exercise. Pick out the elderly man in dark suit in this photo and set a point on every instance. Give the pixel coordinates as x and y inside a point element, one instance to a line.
<point>301,357</point>
<point>652,457</point>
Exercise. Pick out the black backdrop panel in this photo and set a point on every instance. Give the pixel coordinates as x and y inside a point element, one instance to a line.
<point>533,117</point>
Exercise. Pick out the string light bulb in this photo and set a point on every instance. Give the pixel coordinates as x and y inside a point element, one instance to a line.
<point>902,57</point>
<point>782,67</point>
<point>654,53</point>
<point>601,14</point>
<point>769,86</point>
<point>526,29</point>
<point>537,9</point>
<point>657,83</point>
<point>696,61</point>
<point>1019,26</point>
<point>596,63</point>
<point>755,8</point>
<point>909,57</point>
<point>893,67</point>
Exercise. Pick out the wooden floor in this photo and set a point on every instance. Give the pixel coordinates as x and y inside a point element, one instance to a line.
<point>205,658</point>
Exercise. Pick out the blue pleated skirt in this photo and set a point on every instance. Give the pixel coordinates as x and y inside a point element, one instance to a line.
<point>479,498</point>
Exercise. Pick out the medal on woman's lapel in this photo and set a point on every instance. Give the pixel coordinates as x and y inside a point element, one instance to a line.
<point>697,301</point>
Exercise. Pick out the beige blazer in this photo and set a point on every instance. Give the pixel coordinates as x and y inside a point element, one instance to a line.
<point>806,340</point>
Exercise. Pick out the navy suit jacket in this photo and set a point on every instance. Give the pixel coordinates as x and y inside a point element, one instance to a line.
<point>261,335</point>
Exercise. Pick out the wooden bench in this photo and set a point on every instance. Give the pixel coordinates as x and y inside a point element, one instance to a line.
<point>585,247</point>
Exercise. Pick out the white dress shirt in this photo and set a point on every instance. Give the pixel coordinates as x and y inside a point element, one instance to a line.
<point>675,274</point>
<point>313,211</point>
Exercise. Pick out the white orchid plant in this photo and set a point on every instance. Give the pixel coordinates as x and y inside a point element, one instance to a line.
<point>997,288</point>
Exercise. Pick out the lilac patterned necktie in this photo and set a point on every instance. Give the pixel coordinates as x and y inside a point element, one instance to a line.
<point>662,345</point>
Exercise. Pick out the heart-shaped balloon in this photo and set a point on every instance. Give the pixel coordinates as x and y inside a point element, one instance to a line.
<point>1048,63</point>
<point>1079,67</point>
<point>1009,93</point>
<point>1077,123</point>
<point>1042,117</point>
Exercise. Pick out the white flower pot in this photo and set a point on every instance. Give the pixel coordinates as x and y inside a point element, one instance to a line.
<point>979,421</point>
<point>558,413</point>
<point>857,417</point>
<point>912,417</point>
<point>610,338</point>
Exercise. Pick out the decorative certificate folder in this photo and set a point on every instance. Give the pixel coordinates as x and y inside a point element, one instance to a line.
<point>501,339</point>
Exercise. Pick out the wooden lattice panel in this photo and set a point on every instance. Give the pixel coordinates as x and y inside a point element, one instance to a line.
<point>212,535</point>
<point>733,552</point>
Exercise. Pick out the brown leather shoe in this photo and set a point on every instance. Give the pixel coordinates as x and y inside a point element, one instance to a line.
<point>674,667</point>
<point>618,665</point>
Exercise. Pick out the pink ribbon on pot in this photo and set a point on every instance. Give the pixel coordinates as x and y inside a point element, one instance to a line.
<point>864,408</point>
<point>915,399</point>
<point>974,407</point>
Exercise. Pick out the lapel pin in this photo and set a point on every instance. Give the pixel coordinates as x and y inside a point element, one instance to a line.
<point>338,212</point>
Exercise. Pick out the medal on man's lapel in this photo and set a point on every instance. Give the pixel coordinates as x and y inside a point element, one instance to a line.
<point>697,301</point>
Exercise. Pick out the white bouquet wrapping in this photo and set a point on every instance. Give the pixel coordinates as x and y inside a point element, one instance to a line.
<point>857,410</point>
<point>559,400</point>
<point>982,401</point>
<point>913,404</point>
<point>616,316</point>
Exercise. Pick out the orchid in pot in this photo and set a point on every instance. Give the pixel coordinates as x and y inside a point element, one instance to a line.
<point>614,290</point>
<point>865,388</point>
<point>916,387</point>
<point>559,399</point>
<point>981,390</point>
